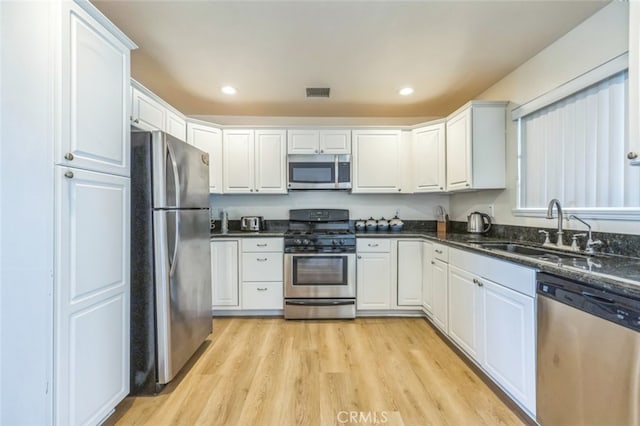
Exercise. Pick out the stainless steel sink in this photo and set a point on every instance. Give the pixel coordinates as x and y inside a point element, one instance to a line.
<point>537,252</point>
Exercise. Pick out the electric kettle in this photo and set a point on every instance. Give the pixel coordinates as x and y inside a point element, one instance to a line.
<point>476,223</point>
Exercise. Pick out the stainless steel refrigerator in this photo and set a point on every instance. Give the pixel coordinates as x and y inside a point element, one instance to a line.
<point>170,257</point>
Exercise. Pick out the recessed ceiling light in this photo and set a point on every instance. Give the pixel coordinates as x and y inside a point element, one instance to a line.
<point>229,90</point>
<point>406,91</point>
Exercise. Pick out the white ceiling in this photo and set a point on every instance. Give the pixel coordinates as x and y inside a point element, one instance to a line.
<point>365,51</point>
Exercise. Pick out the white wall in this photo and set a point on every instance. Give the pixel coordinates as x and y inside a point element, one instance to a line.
<point>361,206</point>
<point>26,224</point>
<point>597,40</point>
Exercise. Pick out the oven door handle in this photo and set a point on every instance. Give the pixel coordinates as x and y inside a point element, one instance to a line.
<point>320,303</point>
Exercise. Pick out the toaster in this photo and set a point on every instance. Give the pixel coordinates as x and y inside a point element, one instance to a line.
<point>251,223</point>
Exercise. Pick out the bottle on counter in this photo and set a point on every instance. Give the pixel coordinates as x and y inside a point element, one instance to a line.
<point>224,221</point>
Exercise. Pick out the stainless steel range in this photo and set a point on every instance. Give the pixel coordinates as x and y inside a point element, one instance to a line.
<point>319,265</point>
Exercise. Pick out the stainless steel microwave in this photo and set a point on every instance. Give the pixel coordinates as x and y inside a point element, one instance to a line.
<point>321,171</point>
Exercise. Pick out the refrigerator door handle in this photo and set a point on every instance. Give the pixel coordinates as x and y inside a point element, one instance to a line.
<point>176,175</point>
<point>176,247</point>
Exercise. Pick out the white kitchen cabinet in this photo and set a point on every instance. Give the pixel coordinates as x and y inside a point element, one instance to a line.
<point>175,125</point>
<point>377,161</point>
<point>262,274</point>
<point>95,75</point>
<point>500,334</point>
<point>254,161</point>
<point>208,139</point>
<point>465,311</point>
<point>410,271</point>
<point>440,292</point>
<point>225,274</point>
<point>509,341</point>
<point>312,141</point>
<point>427,278</point>
<point>147,112</point>
<point>475,146</point>
<point>64,345</point>
<point>429,158</point>
<point>92,295</point>
<point>374,277</point>
<point>150,112</point>
<point>634,83</point>
<point>270,162</point>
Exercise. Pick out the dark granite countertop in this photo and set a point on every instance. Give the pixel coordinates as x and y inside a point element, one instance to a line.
<point>608,272</point>
<point>216,233</point>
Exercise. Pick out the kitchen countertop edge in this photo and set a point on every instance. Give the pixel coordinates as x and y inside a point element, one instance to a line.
<point>607,282</point>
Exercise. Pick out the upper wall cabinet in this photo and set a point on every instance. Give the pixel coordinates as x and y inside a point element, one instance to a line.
<point>326,141</point>
<point>634,83</point>
<point>475,154</point>
<point>377,161</point>
<point>95,108</point>
<point>428,158</point>
<point>149,112</point>
<point>209,139</point>
<point>254,161</point>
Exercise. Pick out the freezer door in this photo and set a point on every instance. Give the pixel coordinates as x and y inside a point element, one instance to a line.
<point>180,173</point>
<point>183,287</point>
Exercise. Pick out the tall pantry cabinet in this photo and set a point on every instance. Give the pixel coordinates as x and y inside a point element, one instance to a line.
<point>64,349</point>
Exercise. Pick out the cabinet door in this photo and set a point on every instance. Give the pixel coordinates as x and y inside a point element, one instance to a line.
<point>303,141</point>
<point>91,295</point>
<point>270,162</point>
<point>465,311</point>
<point>373,282</point>
<point>429,158</point>
<point>459,151</point>
<point>634,83</point>
<point>427,278</point>
<point>209,139</point>
<point>147,114</point>
<point>335,141</point>
<point>376,162</point>
<point>176,126</point>
<point>95,96</point>
<point>509,341</point>
<point>224,273</point>
<point>409,273</point>
<point>440,279</point>
<point>238,161</point>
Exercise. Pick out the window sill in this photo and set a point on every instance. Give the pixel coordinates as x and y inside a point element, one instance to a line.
<point>629,214</point>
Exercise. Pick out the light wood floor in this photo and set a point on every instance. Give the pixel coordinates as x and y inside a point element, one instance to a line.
<point>276,372</point>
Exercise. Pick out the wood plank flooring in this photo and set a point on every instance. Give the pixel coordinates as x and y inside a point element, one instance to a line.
<point>392,371</point>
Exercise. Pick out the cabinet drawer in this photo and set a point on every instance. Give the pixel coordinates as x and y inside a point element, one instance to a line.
<point>262,266</point>
<point>262,295</point>
<point>373,245</point>
<point>441,252</point>
<point>262,244</point>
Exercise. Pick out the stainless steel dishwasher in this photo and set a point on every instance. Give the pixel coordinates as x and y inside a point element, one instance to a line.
<point>588,356</point>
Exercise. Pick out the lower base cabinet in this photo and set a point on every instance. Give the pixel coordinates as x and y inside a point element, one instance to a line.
<point>374,274</point>
<point>225,274</point>
<point>492,319</point>
<point>262,295</point>
<point>440,293</point>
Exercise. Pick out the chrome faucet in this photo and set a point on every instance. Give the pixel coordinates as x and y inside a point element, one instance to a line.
<point>555,202</point>
<point>590,248</point>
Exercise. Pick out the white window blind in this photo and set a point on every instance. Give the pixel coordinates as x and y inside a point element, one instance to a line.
<point>574,150</point>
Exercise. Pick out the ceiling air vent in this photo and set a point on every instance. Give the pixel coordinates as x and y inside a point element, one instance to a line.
<point>318,92</point>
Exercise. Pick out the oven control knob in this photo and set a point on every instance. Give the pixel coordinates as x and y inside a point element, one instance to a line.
<point>341,242</point>
<point>298,242</point>
<point>305,241</point>
<point>334,242</point>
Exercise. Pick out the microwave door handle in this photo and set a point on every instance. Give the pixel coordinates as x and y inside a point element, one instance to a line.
<point>337,171</point>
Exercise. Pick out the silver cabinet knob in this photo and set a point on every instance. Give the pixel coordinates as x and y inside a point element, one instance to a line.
<point>68,156</point>
<point>316,151</point>
<point>257,190</point>
<point>478,282</point>
<point>69,174</point>
<point>632,155</point>
<point>399,189</point>
<point>433,262</point>
<point>261,289</point>
<point>359,257</point>
<point>251,190</point>
<point>136,121</point>
<point>322,151</point>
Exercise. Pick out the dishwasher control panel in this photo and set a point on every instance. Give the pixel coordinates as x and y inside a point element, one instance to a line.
<point>616,308</point>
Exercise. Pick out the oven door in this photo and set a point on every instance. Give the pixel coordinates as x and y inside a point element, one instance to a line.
<point>320,275</point>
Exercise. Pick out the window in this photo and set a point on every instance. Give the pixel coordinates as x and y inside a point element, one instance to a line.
<point>574,148</point>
